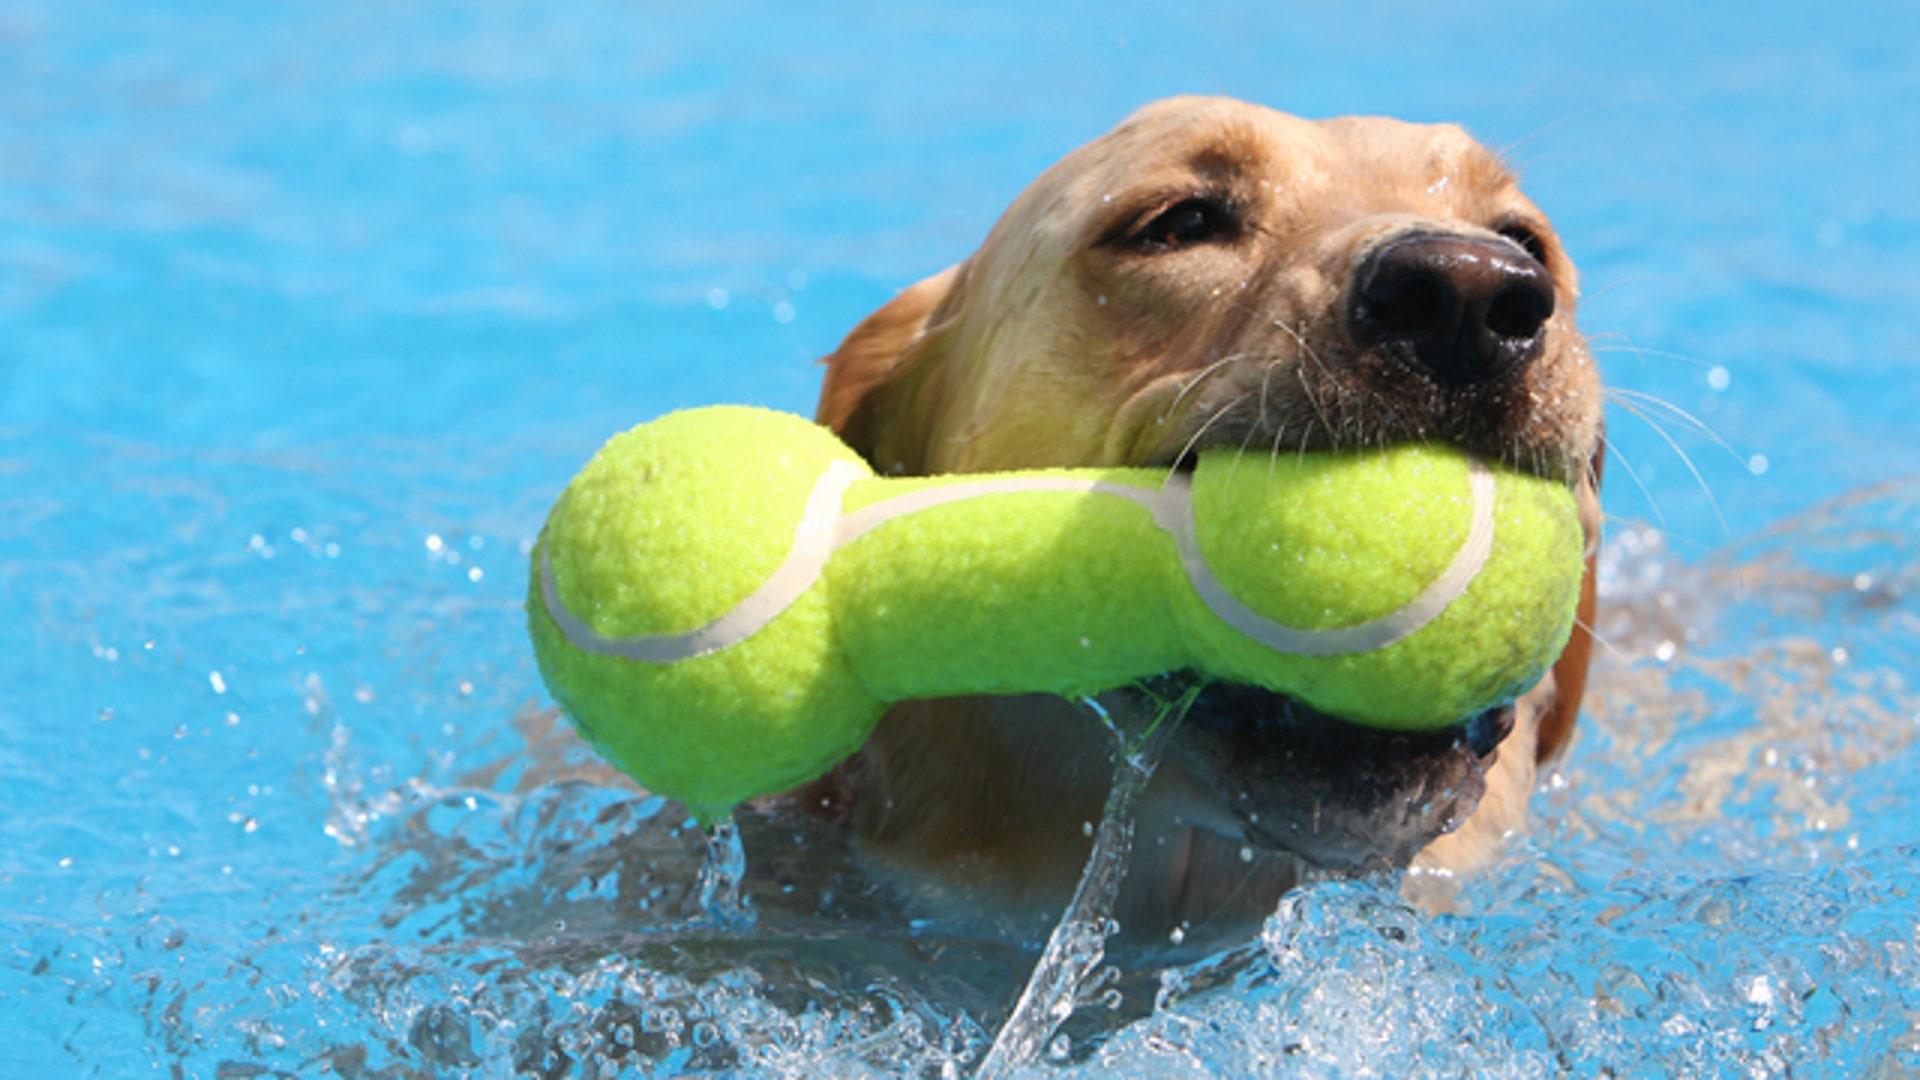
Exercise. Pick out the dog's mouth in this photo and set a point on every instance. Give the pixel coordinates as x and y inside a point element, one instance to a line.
<point>1339,796</point>
<point>1258,436</point>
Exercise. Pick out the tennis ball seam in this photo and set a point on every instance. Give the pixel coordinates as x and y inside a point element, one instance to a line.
<point>927,588</point>
<point>825,528</point>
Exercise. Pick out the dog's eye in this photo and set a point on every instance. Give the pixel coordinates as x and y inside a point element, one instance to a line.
<point>1197,220</point>
<point>1521,233</point>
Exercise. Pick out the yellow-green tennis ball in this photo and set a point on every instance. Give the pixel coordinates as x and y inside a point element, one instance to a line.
<point>1052,589</point>
<point>671,525</point>
<point>1344,546</point>
<point>725,600</point>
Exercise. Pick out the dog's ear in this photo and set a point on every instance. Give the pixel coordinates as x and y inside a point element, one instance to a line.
<point>886,346</point>
<point>1570,671</point>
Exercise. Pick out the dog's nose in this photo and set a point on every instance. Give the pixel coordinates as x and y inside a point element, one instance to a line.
<point>1466,309</point>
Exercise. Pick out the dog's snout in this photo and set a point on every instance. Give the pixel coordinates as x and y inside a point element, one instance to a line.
<point>1465,309</point>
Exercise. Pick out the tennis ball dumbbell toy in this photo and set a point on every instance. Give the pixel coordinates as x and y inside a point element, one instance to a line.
<point>725,600</point>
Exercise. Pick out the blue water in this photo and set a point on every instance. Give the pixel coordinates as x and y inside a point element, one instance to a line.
<point>307,311</point>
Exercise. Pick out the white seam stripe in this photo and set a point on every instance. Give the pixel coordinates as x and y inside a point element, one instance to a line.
<point>872,516</point>
<point>813,544</point>
<point>1363,637</point>
<point>824,529</point>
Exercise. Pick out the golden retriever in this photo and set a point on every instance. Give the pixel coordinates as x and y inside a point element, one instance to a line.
<point>1212,273</point>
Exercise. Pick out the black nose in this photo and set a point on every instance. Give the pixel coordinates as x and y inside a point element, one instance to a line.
<point>1464,308</point>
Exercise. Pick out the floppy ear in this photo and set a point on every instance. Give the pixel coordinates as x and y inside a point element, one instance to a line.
<point>1570,671</point>
<point>874,355</point>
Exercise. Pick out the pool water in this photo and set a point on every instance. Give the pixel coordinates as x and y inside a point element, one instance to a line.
<point>307,312</point>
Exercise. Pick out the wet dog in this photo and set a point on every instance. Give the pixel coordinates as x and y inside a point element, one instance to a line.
<point>1216,274</point>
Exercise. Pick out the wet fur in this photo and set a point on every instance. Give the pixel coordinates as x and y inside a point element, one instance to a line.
<point>1062,343</point>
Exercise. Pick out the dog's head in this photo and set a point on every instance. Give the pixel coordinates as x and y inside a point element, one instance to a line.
<point>1216,274</point>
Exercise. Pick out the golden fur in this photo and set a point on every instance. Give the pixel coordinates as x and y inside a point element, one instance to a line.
<point>1076,336</point>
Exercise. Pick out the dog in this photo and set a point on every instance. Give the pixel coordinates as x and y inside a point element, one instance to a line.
<point>1213,273</point>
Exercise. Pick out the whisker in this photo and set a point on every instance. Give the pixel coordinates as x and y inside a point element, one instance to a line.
<point>1614,451</point>
<point>1279,434</point>
<point>1194,439</point>
<point>1685,459</point>
<point>1599,639</point>
<point>1245,441</point>
<point>1305,347</point>
<point>1333,433</point>
<point>1627,346</point>
<point>1587,301</point>
<point>1668,408</point>
<point>1590,471</point>
<point>1613,103</point>
<point>1204,373</point>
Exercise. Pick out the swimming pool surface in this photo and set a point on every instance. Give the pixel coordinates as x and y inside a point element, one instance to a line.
<point>308,311</point>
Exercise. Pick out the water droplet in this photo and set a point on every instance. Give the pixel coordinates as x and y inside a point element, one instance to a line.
<point>1060,1048</point>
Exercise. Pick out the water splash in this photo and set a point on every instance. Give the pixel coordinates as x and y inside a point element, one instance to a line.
<point>716,896</point>
<point>1719,879</point>
<point>1078,943</point>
